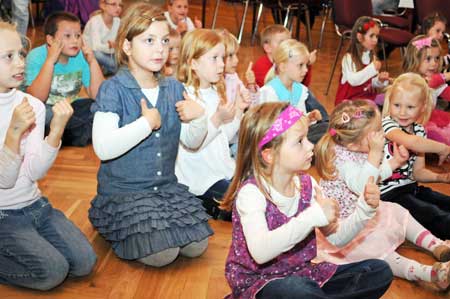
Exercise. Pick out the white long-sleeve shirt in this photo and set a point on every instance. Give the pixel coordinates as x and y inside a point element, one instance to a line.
<point>264,245</point>
<point>96,34</point>
<point>110,141</point>
<point>356,78</point>
<point>19,173</point>
<point>212,162</point>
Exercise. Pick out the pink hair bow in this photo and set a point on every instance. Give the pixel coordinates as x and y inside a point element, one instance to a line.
<point>423,42</point>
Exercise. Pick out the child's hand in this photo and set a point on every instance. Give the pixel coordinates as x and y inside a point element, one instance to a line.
<point>444,177</point>
<point>243,99</point>
<point>312,57</point>
<point>384,76</point>
<point>329,206</point>
<point>377,64</point>
<point>151,115</point>
<point>62,111</point>
<point>401,155</point>
<point>181,27</point>
<point>444,155</point>
<point>111,44</point>
<point>372,193</point>
<point>249,74</point>
<point>54,49</point>
<point>189,109</point>
<point>376,141</point>
<point>23,118</point>
<point>314,115</point>
<point>168,71</point>
<point>225,113</point>
<point>87,52</point>
<point>197,23</point>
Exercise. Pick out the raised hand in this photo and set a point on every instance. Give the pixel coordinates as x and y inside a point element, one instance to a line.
<point>400,156</point>
<point>23,118</point>
<point>151,115</point>
<point>329,206</point>
<point>54,49</point>
<point>197,23</point>
<point>62,111</point>
<point>181,26</point>
<point>314,115</point>
<point>250,75</point>
<point>312,57</point>
<point>189,109</point>
<point>87,52</point>
<point>243,98</point>
<point>384,76</point>
<point>376,141</point>
<point>372,193</point>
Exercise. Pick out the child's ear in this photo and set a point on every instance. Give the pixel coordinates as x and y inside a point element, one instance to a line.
<point>267,155</point>
<point>126,47</point>
<point>359,37</point>
<point>267,48</point>
<point>194,64</point>
<point>49,39</point>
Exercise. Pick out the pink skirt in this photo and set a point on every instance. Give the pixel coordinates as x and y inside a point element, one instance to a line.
<point>381,236</point>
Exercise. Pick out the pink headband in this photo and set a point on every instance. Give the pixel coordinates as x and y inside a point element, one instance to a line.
<point>287,118</point>
<point>423,42</point>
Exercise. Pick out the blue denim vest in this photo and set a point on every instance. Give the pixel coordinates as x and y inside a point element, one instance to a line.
<point>149,165</point>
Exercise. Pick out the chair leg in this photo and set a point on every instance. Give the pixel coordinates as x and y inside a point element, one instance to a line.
<point>286,18</point>
<point>244,15</point>
<point>216,11</point>
<point>308,27</point>
<point>258,18</point>
<point>324,21</point>
<point>384,55</point>
<point>333,68</point>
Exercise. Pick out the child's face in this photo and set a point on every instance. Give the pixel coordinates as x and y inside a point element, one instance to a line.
<point>69,33</point>
<point>429,64</point>
<point>210,66</point>
<point>149,50</point>
<point>296,152</point>
<point>174,50</point>
<point>437,31</point>
<point>112,8</point>
<point>296,68</point>
<point>231,63</point>
<point>406,106</point>
<point>12,62</point>
<point>275,41</point>
<point>373,127</point>
<point>178,10</point>
<point>369,40</point>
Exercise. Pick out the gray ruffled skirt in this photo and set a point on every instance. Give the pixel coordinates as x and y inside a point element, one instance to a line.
<point>144,223</point>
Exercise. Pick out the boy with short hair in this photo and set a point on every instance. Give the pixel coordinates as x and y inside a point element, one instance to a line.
<point>271,37</point>
<point>58,69</point>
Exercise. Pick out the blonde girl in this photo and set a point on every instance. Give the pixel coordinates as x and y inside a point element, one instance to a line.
<point>276,207</point>
<point>361,77</point>
<point>140,208</point>
<point>39,246</point>
<point>350,153</point>
<point>100,33</point>
<point>284,83</point>
<point>423,56</point>
<point>201,70</point>
<point>408,105</point>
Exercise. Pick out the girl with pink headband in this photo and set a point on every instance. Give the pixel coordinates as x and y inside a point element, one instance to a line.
<point>276,206</point>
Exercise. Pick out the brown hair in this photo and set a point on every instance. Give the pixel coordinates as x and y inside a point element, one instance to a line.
<point>53,20</point>
<point>431,19</point>
<point>194,45</point>
<point>269,31</point>
<point>410,81</point>
<point>138,17</point>
<point>348,124</point>
<point>356,49</point>
<point>414,56</point>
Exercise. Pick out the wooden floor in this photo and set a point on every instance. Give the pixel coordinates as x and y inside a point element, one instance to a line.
<point>71,184</point>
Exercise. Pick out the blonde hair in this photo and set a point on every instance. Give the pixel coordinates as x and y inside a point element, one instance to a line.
<point>349,122</point>
<point>8,26</point>
<point>356,49</point>
<point>250,163</point>
<point>414,56</point>
<point>410,82</point>
<point>138,17</point>
<point>286,50</point>
<point>269,31</point>
<point>230,41</point>
<point>194,45</point>
<point>26,42</point>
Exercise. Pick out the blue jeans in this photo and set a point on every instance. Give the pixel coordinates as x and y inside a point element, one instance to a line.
<point>20,15</point>
<point>106,61</point>
<point>367,279</point>
<point>40,247</point>
<point>78,131</point>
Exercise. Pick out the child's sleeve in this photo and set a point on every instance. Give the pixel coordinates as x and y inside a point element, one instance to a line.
<point>9,168</point>
<point>264,244</point>
<point>312,103</point>
<point>267,94</point>
<point>353,77</point>
<point>355,175</point>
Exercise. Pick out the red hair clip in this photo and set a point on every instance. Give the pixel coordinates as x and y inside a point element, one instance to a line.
<point>367,25</point>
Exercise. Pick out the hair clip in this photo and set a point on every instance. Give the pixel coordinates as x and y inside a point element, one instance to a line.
<point>345,118</point>
<point>423,42</point>
<point>367,25</point>
<point>332,132</point>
